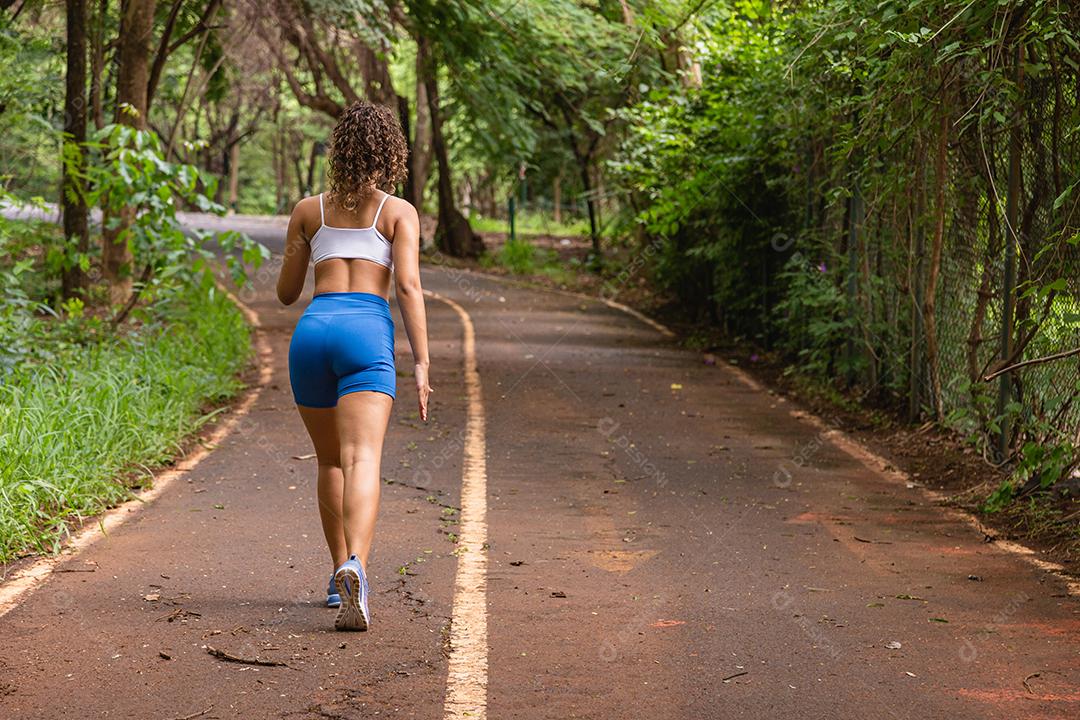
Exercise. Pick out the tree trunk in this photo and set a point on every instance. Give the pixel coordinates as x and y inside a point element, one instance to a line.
<point>97,64</point>
<point>73,198</point>
<point>234,175</point>
<point>590,201</point>
<point>929,301</point>
<point>378,86</point>
<point>279,190</point>
<point>133,67</point>
<point>313,159</point>
<point>281,170</point>
<point>453,235</point>
<point>133,60</point>
<point>302,189</point>
<point>556,199</point>
<point>420,157</point>
<point>406,131</point>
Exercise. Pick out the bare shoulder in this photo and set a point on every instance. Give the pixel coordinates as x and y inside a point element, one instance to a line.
<point>401,216</point>
<point>401,209</point>
<point>306,215</point>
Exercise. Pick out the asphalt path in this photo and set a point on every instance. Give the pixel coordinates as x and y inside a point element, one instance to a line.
<point>660,539</point>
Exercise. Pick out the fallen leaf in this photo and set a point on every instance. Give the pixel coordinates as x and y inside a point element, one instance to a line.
<point>558,594</point>
<point>303,457</point>
<point>152,597</point>
<point>668,623</point>
<point>894,645</point>
<point>676,386</point>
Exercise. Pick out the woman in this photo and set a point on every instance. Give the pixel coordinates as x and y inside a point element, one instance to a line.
<point>341,358</point>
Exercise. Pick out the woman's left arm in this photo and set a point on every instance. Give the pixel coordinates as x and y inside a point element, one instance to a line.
<point>290,282</point>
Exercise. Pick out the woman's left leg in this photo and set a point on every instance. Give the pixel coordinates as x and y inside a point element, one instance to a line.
<point>361,418</point>
<point>321,424</point>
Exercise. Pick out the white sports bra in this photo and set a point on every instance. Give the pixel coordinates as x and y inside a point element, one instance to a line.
<point>359,243</point>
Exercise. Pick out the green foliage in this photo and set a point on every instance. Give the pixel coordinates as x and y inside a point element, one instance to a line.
<point>1040,466</point>
<point>706,172</point>
<point>128,176</point>
<point>803,105</point>
<point>73,423</point>
<point>519,256</point>
<point>526,82</point>
<point>31,101</point>
<point>814,319</point>
<point>84,400</point>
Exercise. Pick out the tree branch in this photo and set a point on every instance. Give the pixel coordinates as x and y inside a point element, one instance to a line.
<point>166,46</point>
<point>316,55</point>
<point>162,51</point>
<point>1034,361</point>
<point>134,298</point>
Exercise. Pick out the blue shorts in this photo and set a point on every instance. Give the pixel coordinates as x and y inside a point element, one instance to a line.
<point>343,343</point>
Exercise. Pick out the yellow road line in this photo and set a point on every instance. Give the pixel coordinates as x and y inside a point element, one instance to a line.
<point>466,682</point>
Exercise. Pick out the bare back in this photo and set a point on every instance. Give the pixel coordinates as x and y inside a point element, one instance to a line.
<point>354,274</point>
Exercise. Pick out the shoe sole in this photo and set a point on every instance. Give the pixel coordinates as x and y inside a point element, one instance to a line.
<point>349,616</point>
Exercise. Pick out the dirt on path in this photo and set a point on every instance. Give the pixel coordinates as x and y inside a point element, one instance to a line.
<point>662,541</point>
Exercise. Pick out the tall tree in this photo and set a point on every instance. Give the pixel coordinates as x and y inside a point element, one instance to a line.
<point>73,201</point>
<point>453,235</point>
<point>420,155</point>
<point>132,80</point>
<point>97,63</point>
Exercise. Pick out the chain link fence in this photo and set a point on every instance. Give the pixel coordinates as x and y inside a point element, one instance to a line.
<point>964,282</point>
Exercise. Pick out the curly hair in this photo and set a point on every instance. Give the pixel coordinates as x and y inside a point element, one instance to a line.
<point>367,151</point>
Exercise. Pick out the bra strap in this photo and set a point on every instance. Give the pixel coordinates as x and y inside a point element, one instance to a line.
<point>322,213</point>
<point>386,196</point>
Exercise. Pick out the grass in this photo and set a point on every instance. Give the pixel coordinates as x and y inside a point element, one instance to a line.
<point>521,257</point>
<point>73,430</point>
<point>530,223</point>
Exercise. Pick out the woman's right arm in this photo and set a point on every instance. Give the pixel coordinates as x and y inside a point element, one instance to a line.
<point>297,253</point>
<point>410,297</point>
